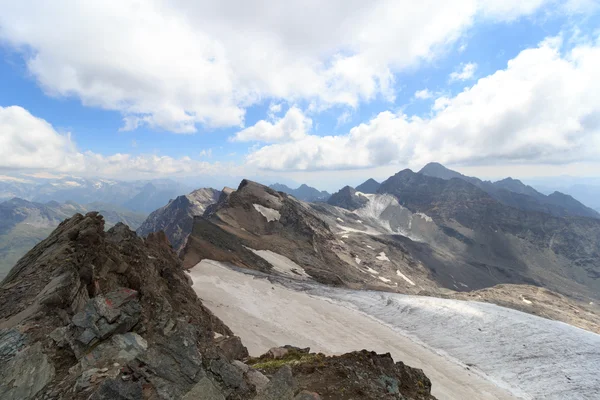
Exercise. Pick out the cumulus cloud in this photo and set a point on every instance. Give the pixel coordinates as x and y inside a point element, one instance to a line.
<point>31,143</point>
<point>543,108</point>
<point>176,64</point>
<point>423,94</point>
<point>466,72</point>
<point>294,125</point>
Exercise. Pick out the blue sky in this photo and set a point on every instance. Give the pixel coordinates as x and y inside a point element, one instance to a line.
<point>199,87</point>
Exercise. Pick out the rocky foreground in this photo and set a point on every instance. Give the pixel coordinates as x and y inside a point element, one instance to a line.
<point>89,314</point>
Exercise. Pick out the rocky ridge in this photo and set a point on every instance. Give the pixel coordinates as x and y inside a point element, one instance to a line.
<point>89,314</point>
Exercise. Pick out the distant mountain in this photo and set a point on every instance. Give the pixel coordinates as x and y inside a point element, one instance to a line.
<point>23,224</point>
<point>304,192</point>
<point>499,243</point>
<point>368,186</point>
<point>348,198</point>
<point>140,196</point>
<point>514,193</point>
<point>176,218</point>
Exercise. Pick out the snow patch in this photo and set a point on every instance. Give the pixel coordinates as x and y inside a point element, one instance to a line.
<point>358,260</point>
<point>371,247</point>
<point>526,301</point>
<point>269,213</point>
<point>359,221</point>
<point>371,270</point>
<point>344,236</point>
<point>339,219</point>
<point>386,280</point>
<point>401,275</point>
<point>425,217</point>
<point>382,257</point>
<point>282,264</point>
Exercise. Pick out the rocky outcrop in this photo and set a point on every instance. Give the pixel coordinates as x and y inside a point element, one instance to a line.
<point>176,218</point>
<point>356,375</point>
<point>108,316</point>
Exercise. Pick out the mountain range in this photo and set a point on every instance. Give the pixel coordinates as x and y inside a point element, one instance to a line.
<point>303,192</point>
<point>513,192</point>
<point>137,196</point>
<point>23,224</point>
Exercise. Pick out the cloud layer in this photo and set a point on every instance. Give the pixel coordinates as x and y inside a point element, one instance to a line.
<point>543,108</point>
<point>31,143</point>
<point>176,64</point>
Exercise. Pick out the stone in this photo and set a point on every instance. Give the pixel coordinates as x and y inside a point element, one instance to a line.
<point>281,387</point>
<point>59,335</point>
<point>257,379</point>
<point>232,347</point>
<point>241,366</point>
<point>11,340</point>
<point>231,376</point>
<point>117,389</point>
<point>306,395</point>
<point>205,389</point>
<point>277,352</point>
<point>92,376</point>
<point>61,290</point>
<point>119,349</point>
<point>26,374</point>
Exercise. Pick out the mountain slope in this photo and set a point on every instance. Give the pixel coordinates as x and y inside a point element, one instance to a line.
<point>514,193</point>
<point>23,224</point>
<point>303,192</point>
<point>348,198</point>
<point>177,217</point>
<point>502,244</point>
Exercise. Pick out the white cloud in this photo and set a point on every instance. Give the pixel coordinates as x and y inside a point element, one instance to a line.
<point>466,72</point>
<point>173,65</point>
<point>31,143</point>
<point>543,108</point>
<point>275,108</point>
<point>423,94</point>
<point>343,118</point>
<point>206,153</point>
<point>294,125</point>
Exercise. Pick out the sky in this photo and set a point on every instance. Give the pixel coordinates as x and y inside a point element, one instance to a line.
<point>299,91</point>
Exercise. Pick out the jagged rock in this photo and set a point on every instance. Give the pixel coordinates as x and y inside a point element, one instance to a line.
<point>281,387</point>
<point>11,340</point>
<point>232,347</point>
<point>204,390</point>
<point>26,374</point>
<point>89,377</point>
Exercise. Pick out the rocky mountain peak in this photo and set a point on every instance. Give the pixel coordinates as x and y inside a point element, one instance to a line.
<point>348,198</point>
<point>368,186</point>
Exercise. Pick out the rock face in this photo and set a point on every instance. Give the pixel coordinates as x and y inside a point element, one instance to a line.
<point>96,315</point>
<point>177,217</point>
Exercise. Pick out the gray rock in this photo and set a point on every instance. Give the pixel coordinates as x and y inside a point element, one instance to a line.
<point>117,389</point>
<point>119,349</point>
<point>91,376</point>
<point>241,366</point>
<point>26,374</point>
<point>59,335</point>
<point>231,375</point>
<point>232,347</point>
<point>281,387</point>
<point>11,340</point>
<point>61,290</point>
<point>257,379</point>
<point>204,390</point>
